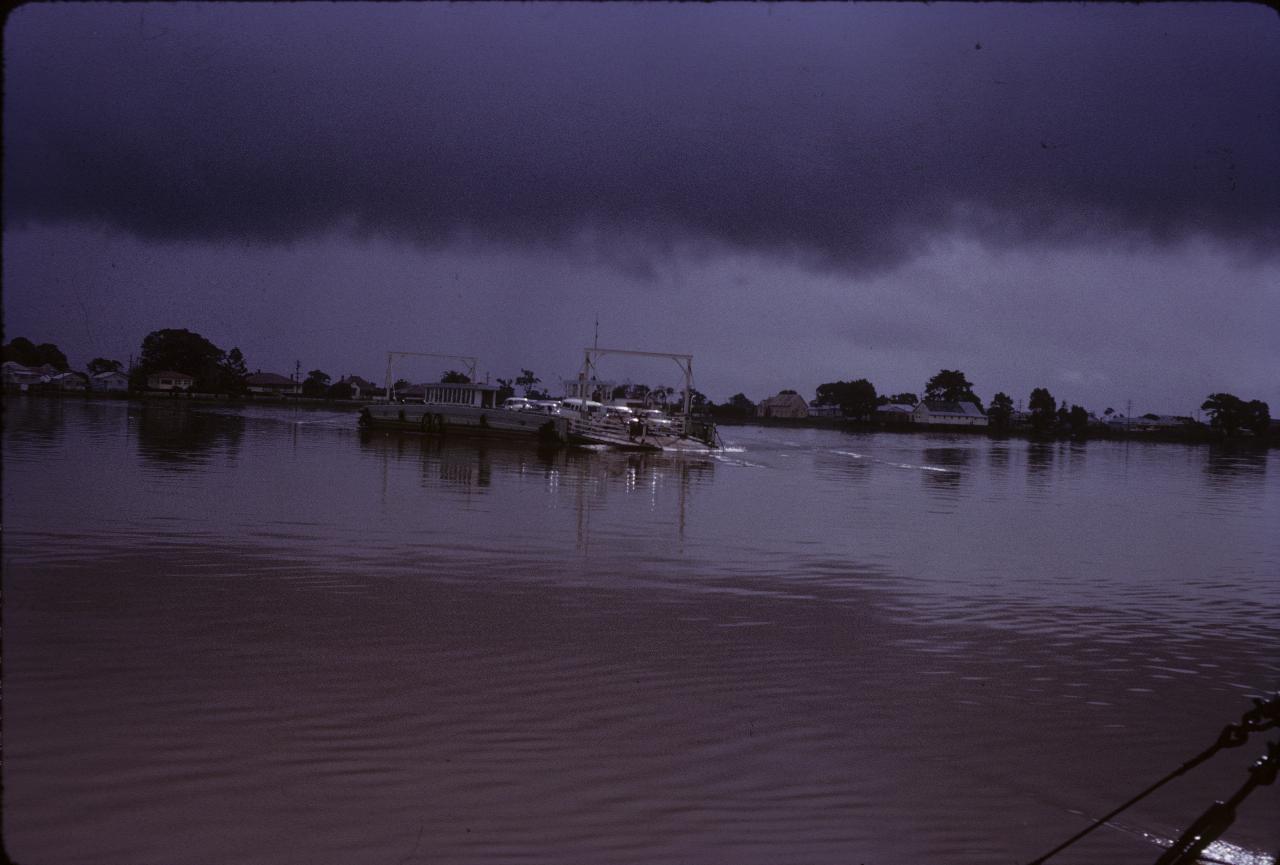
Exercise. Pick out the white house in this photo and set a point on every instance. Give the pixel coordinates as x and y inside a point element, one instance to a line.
<point>111,381</point>
<point>937,413</point>
<point>74,381</point>
<point>816,410</point>
<point>169,380</point>
<point>271,383</point>
<point>19,377</point>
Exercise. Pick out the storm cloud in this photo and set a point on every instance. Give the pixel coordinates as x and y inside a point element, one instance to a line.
<point>846,136</point>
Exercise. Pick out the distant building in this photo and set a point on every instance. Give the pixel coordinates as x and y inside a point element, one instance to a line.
<point>1148,423</point>
<point>895,413</point>
<point>361,388</point>
<point>111,381</point>
<point>271,383</point>
<point>170,380</point>
<point>816,410</point>
<point>20,378</point>
<point>69,381</point>
<point>787,404</point>
<point>938,413</point>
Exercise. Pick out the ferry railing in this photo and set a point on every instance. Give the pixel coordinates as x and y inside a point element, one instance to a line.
<point>1265,715</point>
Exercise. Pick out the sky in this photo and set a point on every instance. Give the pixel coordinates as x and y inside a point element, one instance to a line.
<point>1082,197</point>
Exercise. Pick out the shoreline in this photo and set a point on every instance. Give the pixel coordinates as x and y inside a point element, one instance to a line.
<point>1200,435</point>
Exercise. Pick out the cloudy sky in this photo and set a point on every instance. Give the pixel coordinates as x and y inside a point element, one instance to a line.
<point>1083,197</point>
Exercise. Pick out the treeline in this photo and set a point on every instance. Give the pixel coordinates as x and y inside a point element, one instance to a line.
<point>216,371</point>
<point>858,401</point>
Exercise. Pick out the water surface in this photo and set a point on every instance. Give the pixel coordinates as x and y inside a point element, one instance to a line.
<point>258,635</point>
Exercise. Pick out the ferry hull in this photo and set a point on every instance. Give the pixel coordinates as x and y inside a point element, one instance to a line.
<point>470,421</point>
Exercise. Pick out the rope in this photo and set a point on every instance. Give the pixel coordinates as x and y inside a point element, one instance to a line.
<point>1220,815</point>
<point>1263,716</point>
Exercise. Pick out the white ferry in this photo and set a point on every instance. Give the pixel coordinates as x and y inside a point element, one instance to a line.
<point>471,408</point>
<point>468,409</point>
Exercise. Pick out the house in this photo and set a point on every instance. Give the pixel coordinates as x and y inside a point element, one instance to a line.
<point>111,381</point>
<point>895,413</point>
<point>938,413</point>
<point>69,381</point>
<point>271,383</point>
<point>816,410</point>
<point>787,404</point>
<point>20,378</point>
<point>169,380</point>
<point>361,388</point>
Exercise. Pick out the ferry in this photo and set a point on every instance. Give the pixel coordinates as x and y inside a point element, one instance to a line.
<point>472,409</point>
<point>467,408</point>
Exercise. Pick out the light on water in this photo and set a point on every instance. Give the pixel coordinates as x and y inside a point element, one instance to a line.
<point>257,635</point>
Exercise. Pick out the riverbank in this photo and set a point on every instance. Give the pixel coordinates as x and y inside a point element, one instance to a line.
<point>1192,434</point>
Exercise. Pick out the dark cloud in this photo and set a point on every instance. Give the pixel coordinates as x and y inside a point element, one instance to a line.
<point>843,134</point>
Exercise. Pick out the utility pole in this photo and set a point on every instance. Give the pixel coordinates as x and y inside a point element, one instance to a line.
<point>297,371</point>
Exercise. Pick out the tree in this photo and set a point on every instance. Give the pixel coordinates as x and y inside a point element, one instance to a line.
<point>526,379</point>
<point>1078,420</point>
<point>904,399</point>
<point>950,385</point>
<point>452,376</point>
<point>1257,417</point>
<point>1226,412</point>
<point>316,384</point>
<point>1043,411</point>
<point>22,350</point>
<point>181,350</point>
<point>505,390</point>
<point>698,401</point>
<point>232,373</point>
<point>101,364</point>
<point>738,407</point>
<point>342,390</point>
<point>855,398</point>
<point>1000,411</point>
<point>1231,414</point>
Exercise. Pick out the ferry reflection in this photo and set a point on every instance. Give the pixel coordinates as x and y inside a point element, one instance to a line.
<point>458,463</point>
<point>589,476</point>
<point>595,474</point>
<point>478,463</point>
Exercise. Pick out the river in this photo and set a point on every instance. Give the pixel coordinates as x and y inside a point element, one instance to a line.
<point>258,635</point>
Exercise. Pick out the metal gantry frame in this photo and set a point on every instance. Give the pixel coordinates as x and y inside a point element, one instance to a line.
<point>471,363</point>
<point>684,361</point>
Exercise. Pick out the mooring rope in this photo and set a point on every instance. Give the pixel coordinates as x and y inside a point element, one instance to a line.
<point>1263,716</point>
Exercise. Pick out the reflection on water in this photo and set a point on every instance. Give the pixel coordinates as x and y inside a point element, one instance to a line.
<point>1040,458</point>
<point>311,644</point>
<point>945,466</point>
<point>1236,464</point>
<point>177,437</point>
